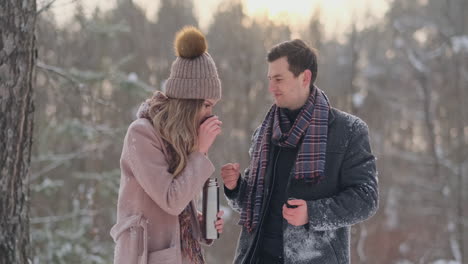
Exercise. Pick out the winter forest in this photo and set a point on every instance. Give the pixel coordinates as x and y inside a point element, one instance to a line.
<point>405,74</point>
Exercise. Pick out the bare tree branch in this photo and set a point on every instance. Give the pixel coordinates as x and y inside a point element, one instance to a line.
<point>46,6</point>
<point>61,72</point>
<point>60,160</point>
<point>59,218</point>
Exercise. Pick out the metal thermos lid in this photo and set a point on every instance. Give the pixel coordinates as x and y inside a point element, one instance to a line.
<point>212,182</point>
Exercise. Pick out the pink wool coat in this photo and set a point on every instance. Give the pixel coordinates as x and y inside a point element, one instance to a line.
<point>150,199</point>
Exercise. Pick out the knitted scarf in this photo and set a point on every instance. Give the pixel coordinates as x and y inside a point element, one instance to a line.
<point>190,246</point>
<point>310,127</point>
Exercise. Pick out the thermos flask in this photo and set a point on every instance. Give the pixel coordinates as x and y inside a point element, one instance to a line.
<point>210,208</point>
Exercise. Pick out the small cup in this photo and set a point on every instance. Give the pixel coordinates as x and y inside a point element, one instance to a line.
<point>289,205</point>
<point>205,118</point>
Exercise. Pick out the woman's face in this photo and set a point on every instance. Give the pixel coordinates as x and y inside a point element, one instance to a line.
<point>207,108</point>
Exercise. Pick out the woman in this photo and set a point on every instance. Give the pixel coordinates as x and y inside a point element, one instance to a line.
<point>164,162</point>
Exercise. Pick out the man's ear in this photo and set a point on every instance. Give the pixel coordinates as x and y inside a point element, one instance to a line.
<point>307,77</point>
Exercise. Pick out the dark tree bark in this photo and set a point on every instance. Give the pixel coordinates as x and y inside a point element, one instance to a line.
<point>17,60</point>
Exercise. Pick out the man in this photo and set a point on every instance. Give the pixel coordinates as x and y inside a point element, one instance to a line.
<point>311,176</point>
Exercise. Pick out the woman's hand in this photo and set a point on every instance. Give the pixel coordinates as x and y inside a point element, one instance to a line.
<point>207,133</point>
<point>219,224</point>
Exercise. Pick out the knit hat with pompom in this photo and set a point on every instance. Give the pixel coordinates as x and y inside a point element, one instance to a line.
<point>193,73</point>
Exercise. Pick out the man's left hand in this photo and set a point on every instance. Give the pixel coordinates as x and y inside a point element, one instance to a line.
<point>296,216</point>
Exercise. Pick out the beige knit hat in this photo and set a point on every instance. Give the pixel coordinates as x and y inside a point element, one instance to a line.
<point>193,73</point>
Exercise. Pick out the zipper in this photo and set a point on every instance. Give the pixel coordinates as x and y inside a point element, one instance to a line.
<point>288,185</point>
<point>265,204</point>
<point>293,171</point>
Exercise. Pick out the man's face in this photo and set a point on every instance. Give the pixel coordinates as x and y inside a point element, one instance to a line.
<point>288,91</point>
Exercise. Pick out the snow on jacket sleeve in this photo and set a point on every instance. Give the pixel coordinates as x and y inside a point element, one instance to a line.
<point>143,152</point>
<point>358,198</point>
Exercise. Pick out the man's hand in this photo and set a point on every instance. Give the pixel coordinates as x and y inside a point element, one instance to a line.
<point>296,216</point>
<point>230,174</point>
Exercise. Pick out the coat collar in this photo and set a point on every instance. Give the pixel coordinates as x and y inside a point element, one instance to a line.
<point>331,116</point>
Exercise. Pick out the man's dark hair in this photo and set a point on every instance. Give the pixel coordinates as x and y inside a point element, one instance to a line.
<point>299,56</point>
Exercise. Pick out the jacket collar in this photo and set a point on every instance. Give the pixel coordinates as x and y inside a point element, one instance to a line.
<point>331,116</point>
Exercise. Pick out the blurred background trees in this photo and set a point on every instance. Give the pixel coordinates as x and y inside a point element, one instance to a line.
<point>406,75</point>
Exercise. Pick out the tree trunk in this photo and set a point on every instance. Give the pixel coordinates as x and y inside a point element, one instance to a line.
<point>17,59</point>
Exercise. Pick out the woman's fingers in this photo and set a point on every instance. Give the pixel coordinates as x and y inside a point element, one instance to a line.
<point>213,128</point>
<point>220,214</point>
<point>219,224</point>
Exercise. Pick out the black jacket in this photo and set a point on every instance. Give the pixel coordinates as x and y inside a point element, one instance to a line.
<point>347,195</point>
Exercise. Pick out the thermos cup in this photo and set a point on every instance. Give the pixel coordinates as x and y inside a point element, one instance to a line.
<point>210,208</point>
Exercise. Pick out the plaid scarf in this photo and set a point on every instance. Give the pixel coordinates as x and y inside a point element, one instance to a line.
<point>310,126</point>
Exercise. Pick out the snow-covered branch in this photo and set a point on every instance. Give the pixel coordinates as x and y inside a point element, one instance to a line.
<point>58,160</point>
<point>59,218</point>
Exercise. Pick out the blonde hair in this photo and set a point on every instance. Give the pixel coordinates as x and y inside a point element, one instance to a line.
<point>177,122</point>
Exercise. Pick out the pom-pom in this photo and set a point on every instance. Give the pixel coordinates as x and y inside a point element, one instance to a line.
<point>190,43</point>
